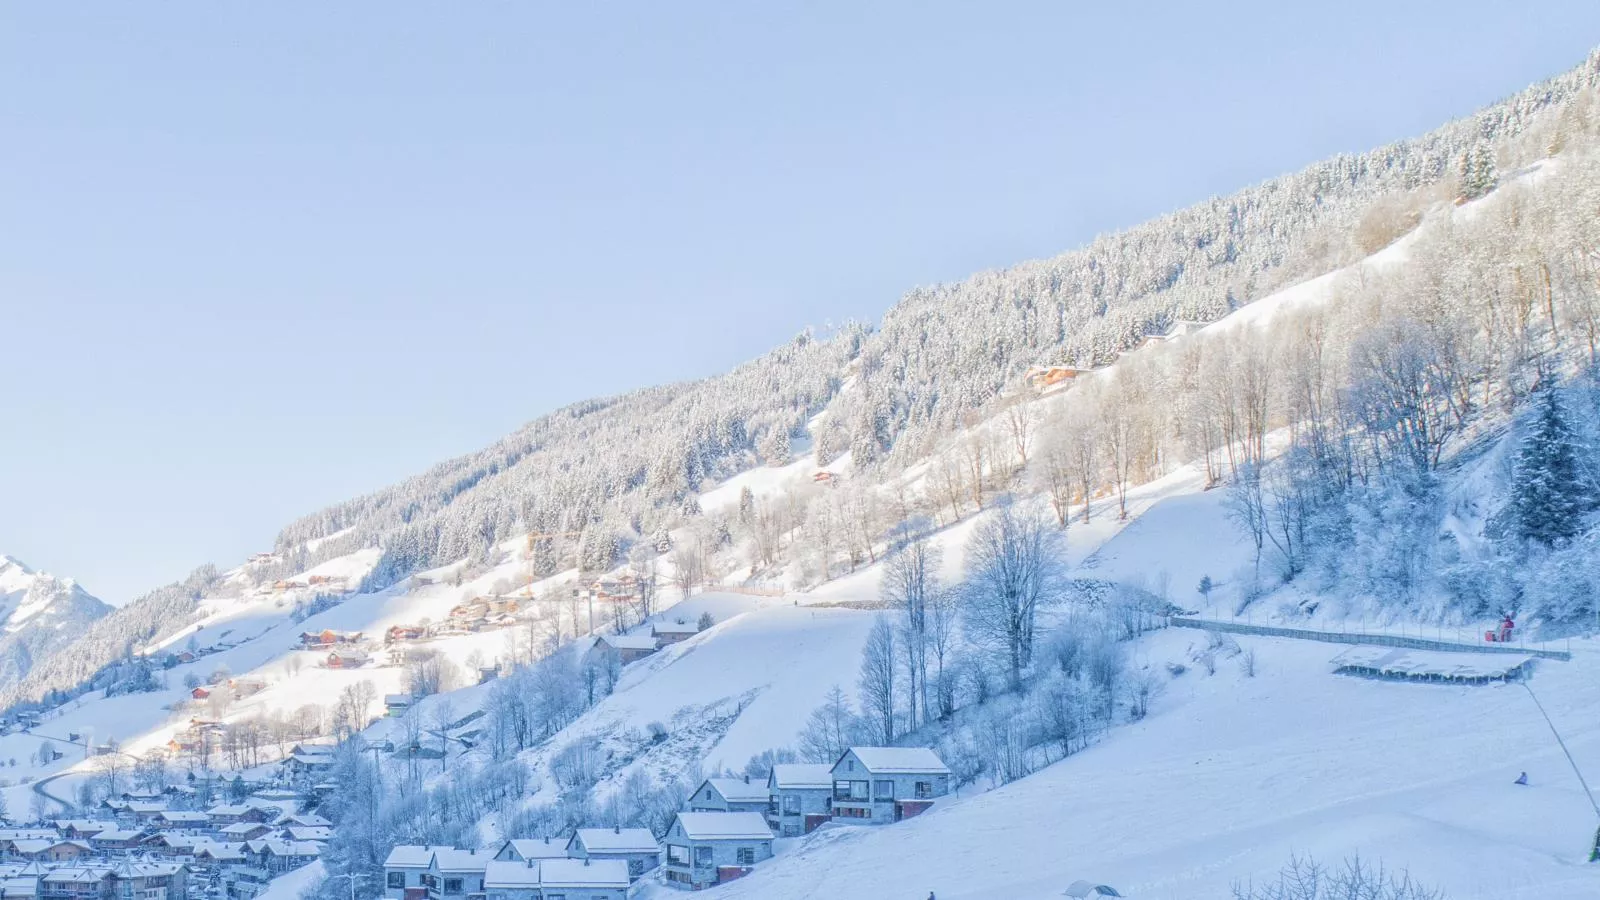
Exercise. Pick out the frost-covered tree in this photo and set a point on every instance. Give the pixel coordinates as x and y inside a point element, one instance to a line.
<point>1014,568</point>
<point>878,685</point>
<point>910,586</point>
<point>1550,493</point>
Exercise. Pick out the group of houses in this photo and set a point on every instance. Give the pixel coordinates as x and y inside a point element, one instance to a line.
<point>137,880</point>
<point>342,649</point>
<point>621,649</point>
<point>235,688</point>
<point>726,828</point>
<point>482,613</point>
<point>139,848</point>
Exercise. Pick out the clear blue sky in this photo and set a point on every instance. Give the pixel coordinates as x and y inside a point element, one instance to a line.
<point>256,258</point>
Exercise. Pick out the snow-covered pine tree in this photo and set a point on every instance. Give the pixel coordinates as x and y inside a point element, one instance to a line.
<point>1549,494</point>
<point>1478,175</point>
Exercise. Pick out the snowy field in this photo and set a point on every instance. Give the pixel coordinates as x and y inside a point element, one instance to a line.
<point>1231,775</point>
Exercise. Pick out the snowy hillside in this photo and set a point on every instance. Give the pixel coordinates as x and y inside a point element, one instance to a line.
<point>39,614</point>
<point>1230,776</point>
<point>1361,398</point>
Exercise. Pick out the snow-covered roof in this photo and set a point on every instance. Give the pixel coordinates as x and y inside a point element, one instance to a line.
<point>19,887</point>
<point>630,641</point>
<point>454,859</point>
<point>581,873</point>
<point>738,790</point>
<point>183,815</point>
<point>724,826</point>
<point>237,810</point>
<point>900,760</point>
<point>241,828</point>
<point>411,856</point>
<point>676,628</point>
<point>510,874</point>
<point>1430,663</point>
<point>800,776</point>
<point>540,848</point>
<point>308,819</point>
<point>617,840</point>
<point>218,851</point>
<point>287,848</point>
<point>120,834</point>
<point>309,832</point>
<point>84,825</point>
<point>78,875</point>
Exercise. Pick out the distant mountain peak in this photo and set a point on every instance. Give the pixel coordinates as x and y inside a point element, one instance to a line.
<point>39,612</point>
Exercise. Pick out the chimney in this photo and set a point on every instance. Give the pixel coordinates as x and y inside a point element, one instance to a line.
<point>586,860</point>
<point>746,779</point>
<point>616,829</point>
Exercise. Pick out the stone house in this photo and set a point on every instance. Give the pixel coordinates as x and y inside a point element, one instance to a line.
<point>707,848</point>
<point>801,795</point>
<point>877,785</point>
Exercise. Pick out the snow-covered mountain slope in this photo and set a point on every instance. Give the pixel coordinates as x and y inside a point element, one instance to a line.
<point>1229,776</point>
<point>39,614</point>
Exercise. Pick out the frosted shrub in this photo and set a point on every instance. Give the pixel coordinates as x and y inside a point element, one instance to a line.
<point>576,767</point>
<point>1306,879</point>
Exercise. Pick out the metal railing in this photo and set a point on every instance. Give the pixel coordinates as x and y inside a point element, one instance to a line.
<point>1374,638</point>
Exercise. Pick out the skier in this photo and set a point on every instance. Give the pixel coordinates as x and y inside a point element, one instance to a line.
<point>1522,779</point>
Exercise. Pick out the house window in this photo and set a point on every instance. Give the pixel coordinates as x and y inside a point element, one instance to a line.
<point>850,790</point>
<point>397,879</point>
<point>635,868</point>
<point>924,790</point>
<point>677,856</point>
<point>883,789</point>
<point>747,856</point>
<point>555,897</point>
<point>791,806</point>
<point>702,856</point>
<point>452,885</point>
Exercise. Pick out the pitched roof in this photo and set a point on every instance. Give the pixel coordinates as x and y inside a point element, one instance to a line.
<point>617,840</point>
<point>454,859</point>
<point>289,848</point>
<point>737,790</point>
<point>510,873</point>
<point>411,856</point>
<point>900,760</point>
<point>799,776</point>
<point>221,810</point>
<point>183,815</point>
<point>120,834</point>
<point>540,848</point>
<point>724,826</point>
<point>629,641</point>
<point>579,873</point>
